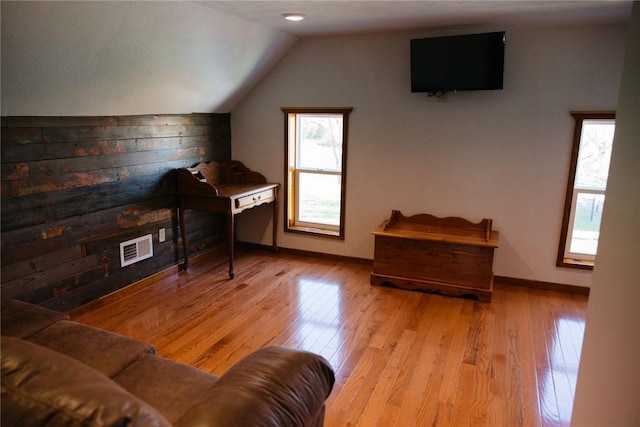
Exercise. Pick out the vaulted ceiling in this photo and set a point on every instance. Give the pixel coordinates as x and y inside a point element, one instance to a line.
<point>344,16</point>
<point>104,57</point>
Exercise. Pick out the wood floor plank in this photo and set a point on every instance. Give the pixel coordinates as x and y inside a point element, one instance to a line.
<point>401,358</point>
<point>497,409</point>
<point>538,309</point>
<point>531,411</point>
<point>479,409</point>
<point>378,403</point>
<point>427,308</point>
<point>420,404</point>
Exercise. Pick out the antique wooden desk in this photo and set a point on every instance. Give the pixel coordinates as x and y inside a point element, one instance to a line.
<point>452,256</point>
<point>224,188</point>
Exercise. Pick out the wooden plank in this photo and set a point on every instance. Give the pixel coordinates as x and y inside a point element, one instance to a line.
<point>59,121</point>
<point>41,239</point>
<point>438,235</point>
<point>15,152</point>
<point>134,120</point>
<point>377,405</point>
<point>40,263</point>
<point>476,327</point>
<point>43,184</point>
<point>116,280</point>
<point>50,168</point>
<point>550,286</point>
<point>40,279</point>
<point>528,389</point>
<point>448,379</point>
<point>26,211</point>
<point>25,135</point>
<point>64,286</point>
<point>83,133</point>
<point>221,121</point>
<point>155,120</point>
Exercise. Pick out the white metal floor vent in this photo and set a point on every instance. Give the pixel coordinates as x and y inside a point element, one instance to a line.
<point>136,250</point>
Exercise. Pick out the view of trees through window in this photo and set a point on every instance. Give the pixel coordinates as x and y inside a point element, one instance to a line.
<point>320,164</point>
<point>591,182</point>
<point>316,146</point>
<point>581,227</point>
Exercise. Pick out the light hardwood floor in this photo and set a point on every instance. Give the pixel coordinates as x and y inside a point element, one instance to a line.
<point>401,358</point>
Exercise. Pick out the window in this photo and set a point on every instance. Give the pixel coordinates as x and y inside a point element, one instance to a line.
<point>316,160</point>
<point>586,188</point>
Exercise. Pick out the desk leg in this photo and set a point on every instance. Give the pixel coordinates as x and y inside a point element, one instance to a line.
<point>275,222</point>
<point>183,232</point>
<point>231,240</point>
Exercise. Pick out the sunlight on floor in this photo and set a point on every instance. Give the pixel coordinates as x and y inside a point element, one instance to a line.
<point>558,382</point>
<point>319,321</point>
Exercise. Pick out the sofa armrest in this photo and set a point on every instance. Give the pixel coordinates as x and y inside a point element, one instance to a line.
<point>274,386</point>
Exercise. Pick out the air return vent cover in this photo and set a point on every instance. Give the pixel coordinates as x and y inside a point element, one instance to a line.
<point>136,250</point>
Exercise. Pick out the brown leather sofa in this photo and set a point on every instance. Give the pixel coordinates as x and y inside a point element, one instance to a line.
<point>56,372</point>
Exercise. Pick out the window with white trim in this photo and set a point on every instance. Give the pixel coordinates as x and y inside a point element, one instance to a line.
<point>586,188</point>
<point>316,160</point>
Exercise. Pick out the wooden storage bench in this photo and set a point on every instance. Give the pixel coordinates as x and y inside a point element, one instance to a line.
<point>451,256</point>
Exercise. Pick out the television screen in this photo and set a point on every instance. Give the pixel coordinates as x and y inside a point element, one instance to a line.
<point>457,63</point>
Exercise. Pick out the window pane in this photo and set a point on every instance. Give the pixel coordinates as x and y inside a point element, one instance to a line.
<point>320,141</point>
<point>596,141</point>
<point>319,198</point>
<point>316,146</point>
<point>586,226</point>
<point>586,188</point>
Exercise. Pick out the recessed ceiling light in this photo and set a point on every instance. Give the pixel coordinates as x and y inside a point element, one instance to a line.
<point>293,16</point>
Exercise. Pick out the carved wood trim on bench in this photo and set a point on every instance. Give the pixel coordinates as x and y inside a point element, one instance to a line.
<point>429,227</point>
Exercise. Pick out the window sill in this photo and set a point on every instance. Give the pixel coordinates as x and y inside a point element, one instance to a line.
<point>334,234</point>
<point>576,263</point>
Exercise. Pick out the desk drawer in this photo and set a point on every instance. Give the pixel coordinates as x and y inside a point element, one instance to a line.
<point>255,199</point>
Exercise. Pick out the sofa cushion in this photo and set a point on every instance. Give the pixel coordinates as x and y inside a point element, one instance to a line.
<point>45,388</point>
<point>20,319</point>
<point>152,378</point>
<point>108,352</point>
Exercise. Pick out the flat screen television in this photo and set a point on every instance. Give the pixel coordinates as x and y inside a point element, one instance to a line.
<point>457,63</point>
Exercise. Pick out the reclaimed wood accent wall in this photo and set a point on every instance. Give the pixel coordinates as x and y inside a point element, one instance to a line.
<point>73,188</point>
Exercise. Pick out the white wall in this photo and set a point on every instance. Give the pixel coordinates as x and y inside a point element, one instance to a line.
<point>104,58</point>
<point>492,154</point>
<point>608,388</point>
